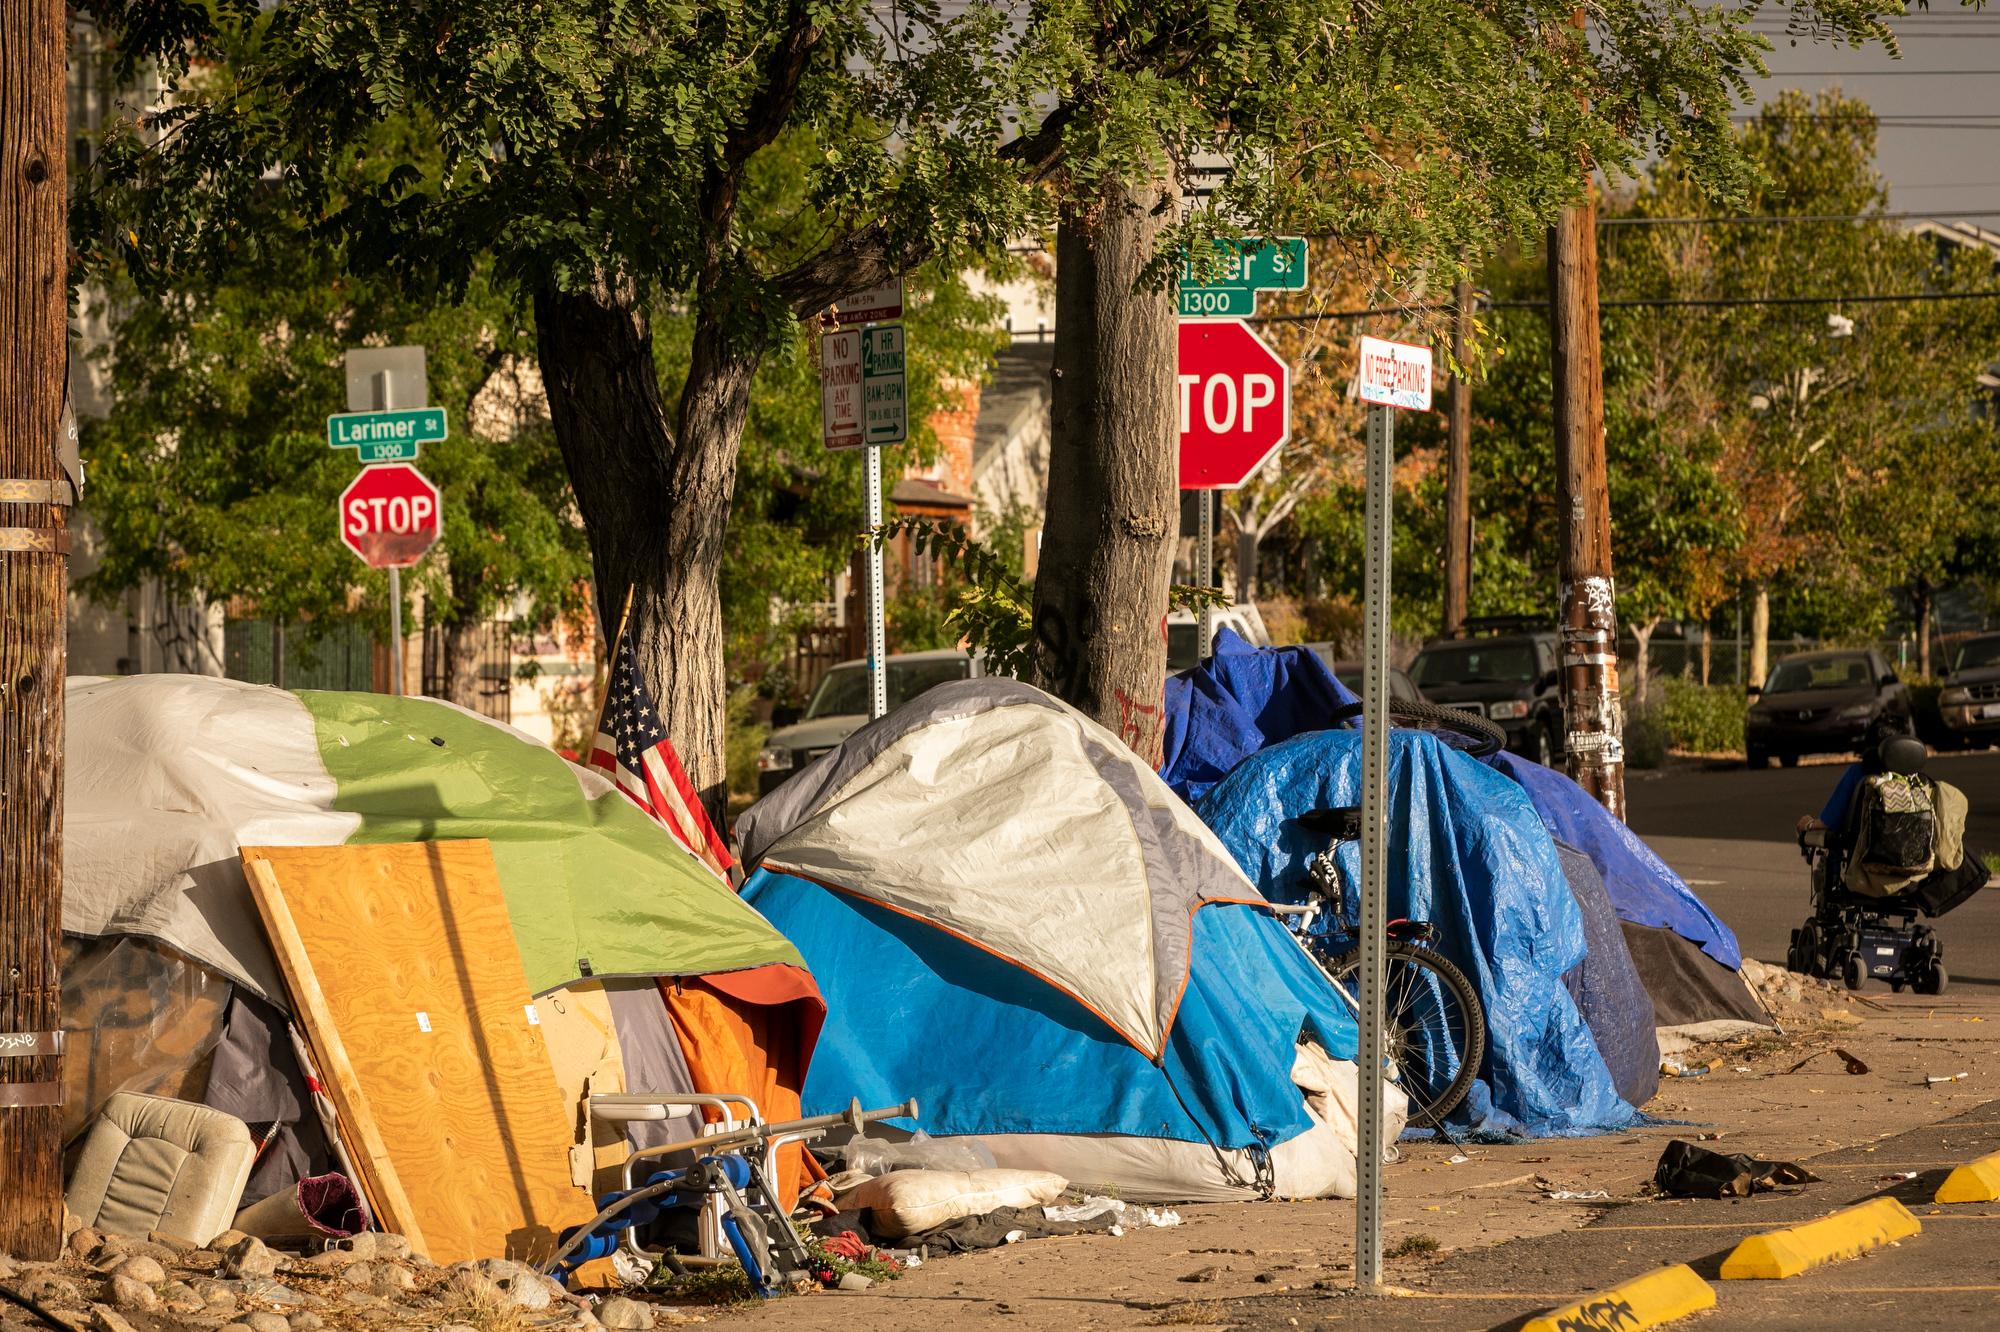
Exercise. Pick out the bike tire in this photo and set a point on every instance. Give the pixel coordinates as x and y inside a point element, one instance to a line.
<point>1483,736</point>
<point>1429,1104</point>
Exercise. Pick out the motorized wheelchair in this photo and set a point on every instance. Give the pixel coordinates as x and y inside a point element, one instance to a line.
<point>1854,936</point>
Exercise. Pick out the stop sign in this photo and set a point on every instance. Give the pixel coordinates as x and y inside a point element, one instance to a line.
<point>389,515</point>
<point>1235,403</point>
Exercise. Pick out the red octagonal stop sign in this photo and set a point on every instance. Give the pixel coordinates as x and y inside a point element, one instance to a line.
<point>389,515</point>
<point>1235,403</point>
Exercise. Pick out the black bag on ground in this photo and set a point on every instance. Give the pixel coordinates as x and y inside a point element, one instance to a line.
<point>1688,1171</point>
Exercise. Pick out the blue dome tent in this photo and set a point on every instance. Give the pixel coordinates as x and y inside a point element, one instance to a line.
<point>1014,921</point>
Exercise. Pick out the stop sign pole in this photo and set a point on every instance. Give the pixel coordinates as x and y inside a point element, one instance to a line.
<point>1392,375</point>
<point>380,379</point>
<point>1235,413</point>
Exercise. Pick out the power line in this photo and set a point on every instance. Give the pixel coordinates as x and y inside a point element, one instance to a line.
<point>1641,303</point>
<point>1765,219</point>
<point>1874,73</point>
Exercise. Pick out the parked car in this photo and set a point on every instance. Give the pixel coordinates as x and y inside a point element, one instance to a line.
<point>1502,668</point>
<point>1401,688</point>
<point>839,708</point>
<point>1970,700</point>
<point>1184,633</point>
<point>1820,703</point>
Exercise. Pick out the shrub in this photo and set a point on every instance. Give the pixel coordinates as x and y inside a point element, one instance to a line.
<point>1645,735</point>
<point>1702,720</point>
<point>1282,620</point>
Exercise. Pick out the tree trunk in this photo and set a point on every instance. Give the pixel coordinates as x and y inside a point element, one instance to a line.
<point>1922,596</point>
<point>1707,653</point>
<point>34,545</point>
<point>1642,666</point>
<point>1760,634</point>
<point>464,645</point>
<point>1107,542</point>
<point>1248,548</point>
<point>655,499</point>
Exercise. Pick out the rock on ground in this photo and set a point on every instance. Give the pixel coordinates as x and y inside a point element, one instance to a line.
<point>620,1312</point>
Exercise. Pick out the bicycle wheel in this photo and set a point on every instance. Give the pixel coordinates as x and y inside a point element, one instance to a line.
<point>1434,1025</point>
<point>1481,737</point>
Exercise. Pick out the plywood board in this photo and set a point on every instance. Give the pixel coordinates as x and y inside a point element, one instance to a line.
<point>402,968</point>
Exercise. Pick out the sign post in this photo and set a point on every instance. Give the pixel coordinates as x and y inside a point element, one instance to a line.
<point>1235,413</point>
<point>1392,375</point>
<point>864,405</point>
<point>386,420</point>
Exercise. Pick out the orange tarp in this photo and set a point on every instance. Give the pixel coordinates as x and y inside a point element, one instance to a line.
<point>753,1032</point>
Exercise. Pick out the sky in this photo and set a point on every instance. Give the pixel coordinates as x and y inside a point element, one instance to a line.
<point>1949,71</point>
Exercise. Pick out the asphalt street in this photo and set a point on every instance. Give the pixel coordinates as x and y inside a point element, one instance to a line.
<point>1729,832</point>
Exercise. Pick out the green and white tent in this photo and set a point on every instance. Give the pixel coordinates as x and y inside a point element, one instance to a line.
<point>170,774</point>
<point>170,988</point>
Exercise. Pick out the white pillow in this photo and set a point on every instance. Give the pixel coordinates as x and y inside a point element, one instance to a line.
<point>909,1202</point>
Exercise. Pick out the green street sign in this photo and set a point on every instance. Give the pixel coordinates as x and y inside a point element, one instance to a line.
<point>392,436</point>
<point>1216,302</point>
<point>1242,269</point>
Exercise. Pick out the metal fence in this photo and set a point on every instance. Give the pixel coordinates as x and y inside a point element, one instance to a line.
<point>299,656</point>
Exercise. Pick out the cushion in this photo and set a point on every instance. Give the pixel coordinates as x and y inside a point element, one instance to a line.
<point>150,1163</point>
<point>909,1202</point>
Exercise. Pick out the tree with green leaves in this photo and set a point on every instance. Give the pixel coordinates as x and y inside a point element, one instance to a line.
<point>1840,411</point>
<point>211,473</point>
<point>1420,136</point>
<point>604,160</point>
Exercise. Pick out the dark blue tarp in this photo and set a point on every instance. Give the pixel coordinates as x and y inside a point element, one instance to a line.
<point>1607,988</point>
<point>1239,701</point>
<point>1468,854</point>
<point>1641,886</point>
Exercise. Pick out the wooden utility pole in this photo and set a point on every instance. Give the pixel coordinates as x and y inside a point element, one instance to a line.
<point>1457,474</point>
<point>34,545</point>
<point>1594,722</point>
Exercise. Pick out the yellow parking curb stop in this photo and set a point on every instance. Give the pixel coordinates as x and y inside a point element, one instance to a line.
<point>1848,1233</point>
<point>1658,1297</point>
<point>1978,1182</point>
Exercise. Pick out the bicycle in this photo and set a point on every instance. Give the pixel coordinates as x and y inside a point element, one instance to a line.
<point>1434,1026</point>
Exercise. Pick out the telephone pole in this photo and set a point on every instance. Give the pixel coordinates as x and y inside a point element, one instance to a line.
<point>1457,474</point>
<point>34,544</point>
<point>1594,723</point>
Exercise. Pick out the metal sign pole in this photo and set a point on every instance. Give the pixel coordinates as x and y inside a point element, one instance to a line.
<point>878,650</point>
<point>1205,566</point>
<point>1373,914</point>
<point>381,381</point>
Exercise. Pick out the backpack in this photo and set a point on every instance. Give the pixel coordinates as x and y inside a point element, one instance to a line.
<point>1896,834</point>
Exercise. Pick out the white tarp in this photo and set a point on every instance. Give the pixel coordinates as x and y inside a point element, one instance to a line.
<point>970,811</point>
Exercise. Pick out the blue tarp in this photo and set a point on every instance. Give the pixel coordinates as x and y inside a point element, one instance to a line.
<point>1239,701</point>
<point>987,1047</point>
<point>1472,858</point>
<point>1607,988</point>
<point>1245,699</point>
<point>1641,886</point>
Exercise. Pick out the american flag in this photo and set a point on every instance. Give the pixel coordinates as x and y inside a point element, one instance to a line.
<point>633,750</point>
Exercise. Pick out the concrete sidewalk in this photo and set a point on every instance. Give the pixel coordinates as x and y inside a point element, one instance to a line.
<point>1490,1216</point>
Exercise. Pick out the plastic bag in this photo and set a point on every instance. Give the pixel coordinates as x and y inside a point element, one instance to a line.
<point>1688,1171</point>
<point>873,1156</point>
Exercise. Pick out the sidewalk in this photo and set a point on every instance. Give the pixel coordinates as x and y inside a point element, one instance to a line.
<point>1262,1264</point>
